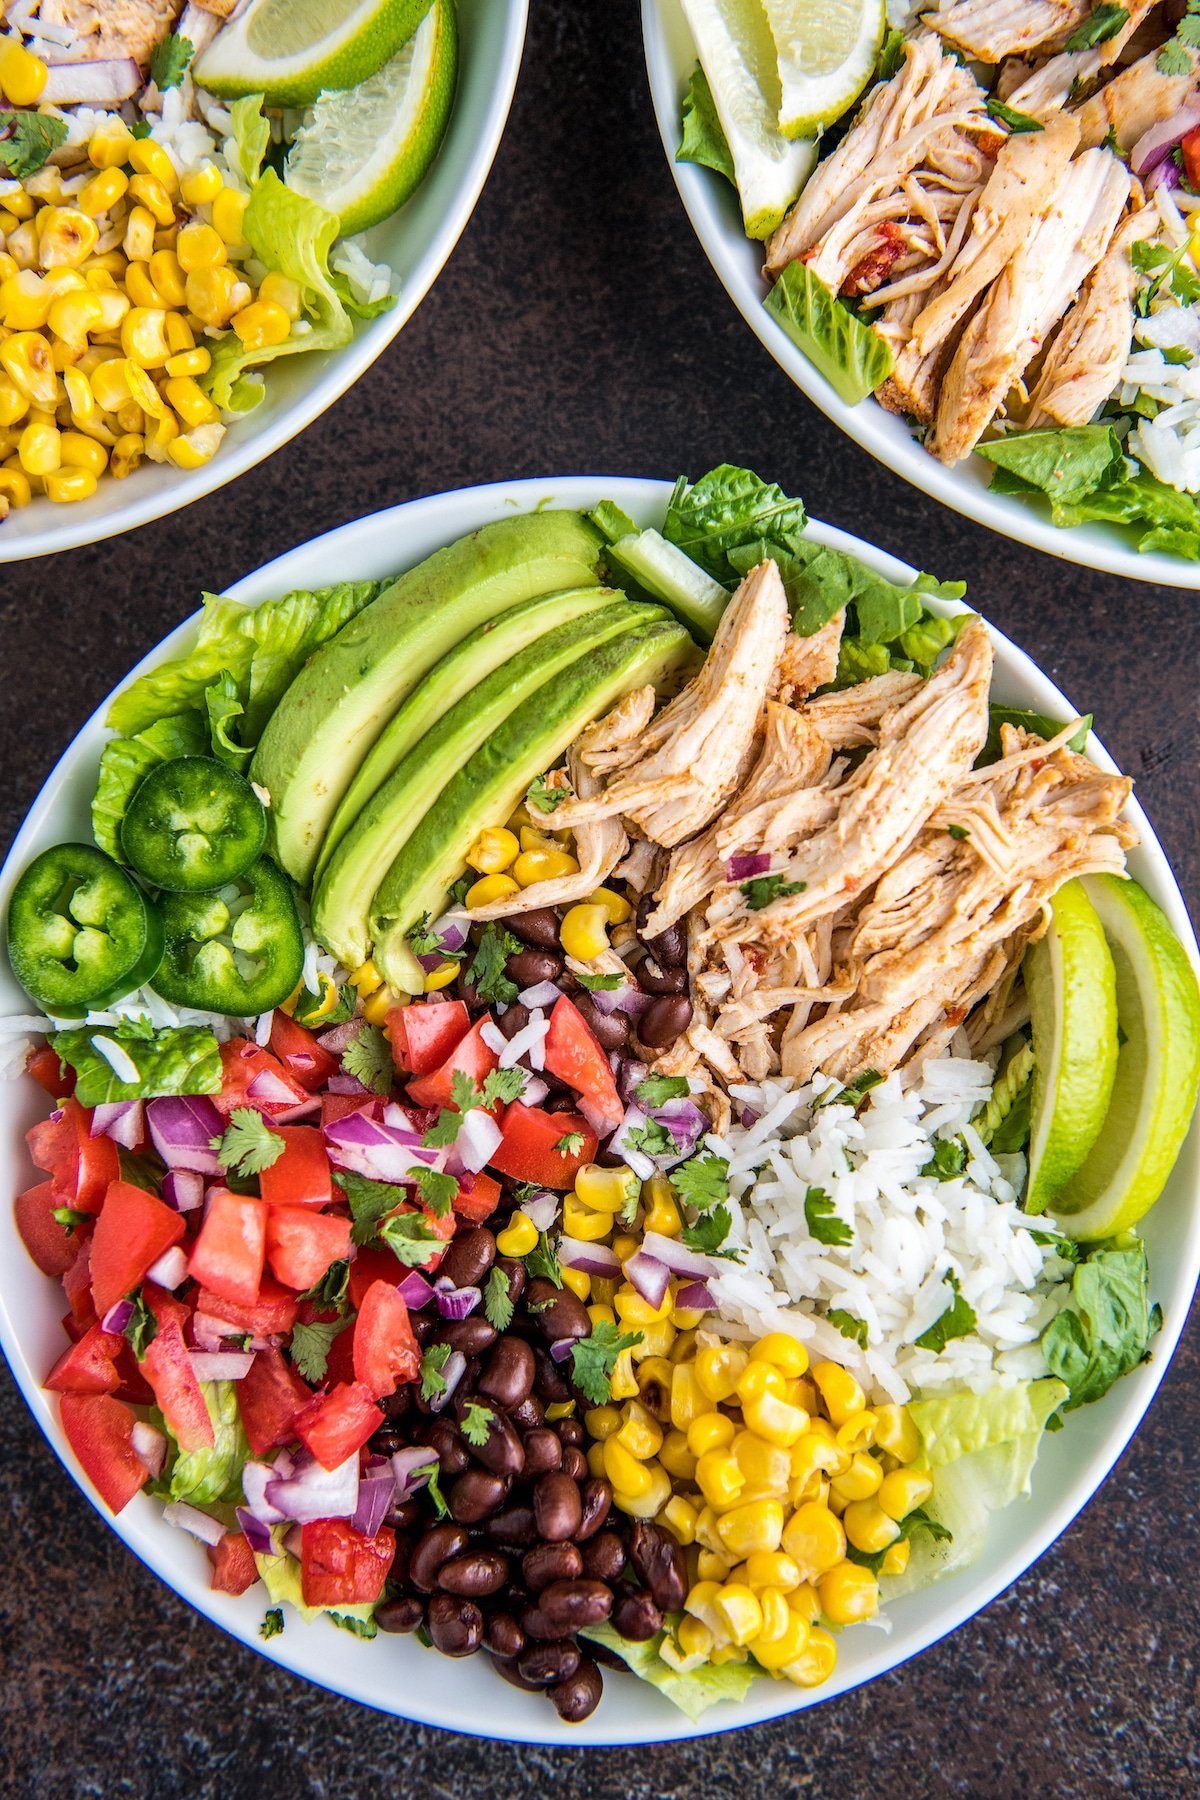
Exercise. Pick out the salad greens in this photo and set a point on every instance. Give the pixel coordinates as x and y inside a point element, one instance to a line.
<point>693,1691</point>
<point>182,1059</point>
<point>851,356</point>
<point>703,141</point>
<point>209,1476</point>
<point>1106,1328</point>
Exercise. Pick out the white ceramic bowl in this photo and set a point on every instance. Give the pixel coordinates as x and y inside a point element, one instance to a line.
<point>713,209</point>
<point>395,1674</point>
<point>416,242</point>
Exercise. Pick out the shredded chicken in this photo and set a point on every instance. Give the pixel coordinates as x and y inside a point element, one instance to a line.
<point>1136,99</point>
<point>105,29</point>
<point>807,663</point>
<point>1085,360</point>
<point>988,30</point>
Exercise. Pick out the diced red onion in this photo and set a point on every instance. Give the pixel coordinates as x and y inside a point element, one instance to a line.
<point>477,1141</point>
<point>590,1259</point>
<point>1156,145</point>
<point>541,1209</point>
<point>105,82</point>
<point>401,1120</point>
<point>457,1303</point>
<point>372,1148</point>
<point>170,1270</point>
<point>693,1264</point>
<point>117,1317</point>
<point>608,1000</point>
<point>411,1467</point>
<point>256,1478</point>
<point>749,1116</point>
<point>302,1060</point>
<point>452,1372</point>
<point>269,1091</point>
<point>149,1446</point>
<point>542,993</point>
<point>630,1000</point>
<point>414,1290</point>
<point>686,1124</point>
<point>183,1189</point>
<point>313,1492</point>
<point>376,1491</point>
<point>341,1083</point>
<point>336,1037</point>
<point>291,1115</point>
<point>293,1542</point>
<point>630,1075</point>
<point>649,1276</point>
<point>1166,175</point>
<point>430,960</point>
<point>190,1518</point>
<point>743,868</point>
<point>221,1365</point>
<point>491,1035</point>
<point>642,1165</point>
<point>122,1120</point>
<point>256,1534</point>
<point>561,1349</point>
<point>450,931</point>
<point>262,1029</point>
<point>694,1296</point>
<point>182,1130</point>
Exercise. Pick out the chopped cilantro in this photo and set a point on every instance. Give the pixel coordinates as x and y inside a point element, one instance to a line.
<point>502,1085</point>
<point>410,1238</point>
<point>361,1628</point>
<point>1065,1247</point>
<point>272,1623</point>
<point>444,1130</point>
<point>597,984</point>
<point>497,1307</point>
<point>69,1218</point>
<point>656,1090</point>
<point>26,140</point>
<point>915,1521</point>
<point>948,1160</point>
<point>476,1423</point>
<point>368,1057</point>
<point>433,1361</point>
<point>1008,115</point>
<point>141,1328</point>
<point>311,1345</point>
<point>848,1325</point>
<point>1169,266</point>
<point>570,1144</point>
<point>437,1191</point>
<point>760,890</point>
<point>652,1139</point>
<point>854,1092</point>
<point>249,1145</point>
<point>170,61</point>
<point>1102,23</point>
<point>702,1181</point>
<point>958,832</point>
<point>709,1233</point>
<point>486,970</point>
<point>332,1288</point>
<point>594,1358</point>
<point>543,1260</point>
<point>308,1013</point>
<point>957,1321</point>
<point>822,1220</point>
<point>432,1470</point>
<point>544,798</point>
<point>422,941</point>
<point>369,1202</point>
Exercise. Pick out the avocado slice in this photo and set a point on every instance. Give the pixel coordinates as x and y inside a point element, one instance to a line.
<point>343,893</point>
<point>487,788</point>
<point>457,675</point>
<point>334,710</point>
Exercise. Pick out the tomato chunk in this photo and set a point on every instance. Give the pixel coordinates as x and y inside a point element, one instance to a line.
<point>385,1350</point>
<point>89,1366</point>
<point>246,1066</point>
<point>575,1054</point>
<point>133,1230</point>
<point>77,1285</point>
<point>470,1056</point>
<point>168,1368</point>
<point>334,1425</point>
<point>302,1175</point>
<point>377,1263</point>
<point>227,1256</point>
<point>301,1244</point>
<point>45,1239</point>
<point>424,1036</point>
<point>234,1567</point>
<point>49,1073</point>
<point>477,1198</point>
<point>338,1106</point>
<point>79,1165</point>
<point>1190,146</point>
<point>273,1312</point>
<point>527,1146</point>
<point>99,1430</point>
<point>298,1050</point>
<point>340,1566</point>
<point>270,1394</point>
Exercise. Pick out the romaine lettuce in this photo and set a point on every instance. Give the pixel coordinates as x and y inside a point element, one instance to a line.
<point>183,1059</point>
<point>692,1693</point>
<point>1037,723</point>
<point>251,135</point>
<point>703,141</point>
<point>1107,1328</point>
<point>126,761</point>
<point>205,1477</point>
<point>851,355</point>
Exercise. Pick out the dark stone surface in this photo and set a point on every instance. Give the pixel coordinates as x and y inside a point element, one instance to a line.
<point>579,328</point>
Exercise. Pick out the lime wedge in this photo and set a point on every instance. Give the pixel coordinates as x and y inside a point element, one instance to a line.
<point>737,53</point>
<point>1158,1067</point>
<point>827,54</point>
<point>361,154</point>
<point>290,50</point>
<point>1072,988</point>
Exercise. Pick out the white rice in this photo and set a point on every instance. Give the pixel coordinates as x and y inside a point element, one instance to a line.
<point>909,1231</point>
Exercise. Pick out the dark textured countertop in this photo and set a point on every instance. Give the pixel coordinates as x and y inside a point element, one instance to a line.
<point>578,328</point>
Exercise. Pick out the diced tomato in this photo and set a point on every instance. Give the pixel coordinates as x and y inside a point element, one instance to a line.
<point>89,1366</point>
<point>339,1106</point>
<point>77,1285</point>
<point>575,1054</point>
<point>1191,158</point>
<point>167,1366</point>
<point>301,1244</point>
<point>470,1056</point>
<point>385,1350</point>
<point>424,1036</point>
<point>227,1256</point>
<point>299,1052</point>
<point>234,1567</point>
<point>165,1306</point>
<point>339,1365</point>
<point>340,1566</point>
<point>301,1176</point>
<point>80,1166</point>
<point>49,1073</point>
<point>477,1198</point>
<point>242,1065</point>
<point>45,1239</point>
<point>133,1230</point>
<point>526,1150</point>
<point>272,1313</point>
<point>334,1425</point>
<point>72,1327</point>
<point>134,1387</point>
<point>99,1430</point>
<point>270,1394</point>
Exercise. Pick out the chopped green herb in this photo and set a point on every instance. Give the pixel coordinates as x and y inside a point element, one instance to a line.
<point>497,1307</point>
<point>543,1260</point>
<point>434,1490</point>
<point>1008,115</point>
<point>332,1288</point>
<point>476,1423</point>
<point>762,889</point>
<point>570,1144</point>
<point>598,984</point>
<point>141,1329</point>
<point>1102,23</point>
<point>854,1092</point>
<point>958,832</point>
<point>360,1628</point>
<point>949,1159</point>
<point>437,1191</point>
<point>656,1090</point>
<point>652,1139</point>
<point>27,140</point>
<point>410,1238</point>
<point>546,799</point>
<point>145,1172</point>
<point>910,1525</point>
<point>957,1321</point>
<point>170,60</point>
<point>424,942</point>
<point>433,1361</point>
<point>69,1218</point>
<point>702,1181</point>
<point>502,1085</point>
<point>1065,1247</point>
<point>848,1325</point>
<point>272,1623</point>
<point>822,1220</point>
<point>1169,266</point>
<point>368,1057</point>
<point>486,970</point>
<point>311,1345</point>
<point>594,1358</point>
<point>307,1011</point>
<point>249,1145</point>
<point>369,1202</point>
<point>444,1130</point>
<point>709,1233</point>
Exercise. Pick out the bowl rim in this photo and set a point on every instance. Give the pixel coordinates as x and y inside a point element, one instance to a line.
<point>717,224</point>
<point>433,521</point>
<point>345,366</point>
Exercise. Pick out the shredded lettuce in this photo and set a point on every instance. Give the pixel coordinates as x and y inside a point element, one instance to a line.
<point>206,1477</point>
<point>125,762</point>
<point>1106,1329</point>
<point>853,358</point>
<point>251,135</point>
<point>703,141</point>
<point>182,1059</point>
<point>693,1693</point>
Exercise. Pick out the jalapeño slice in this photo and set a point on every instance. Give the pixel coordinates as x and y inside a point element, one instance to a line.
<point>193,824</point>
<point>81,933</point>
<point>239,951</point>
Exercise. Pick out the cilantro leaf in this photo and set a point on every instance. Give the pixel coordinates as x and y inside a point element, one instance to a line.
<point>360,1628</point>
<point>848,1325</point>
<point>249,1145</point>
<point>26,140</point>
<point>702,1181</point>
<point>544,798</point>
<point>957,1321</point>
<point>822,1220</point>
<point>1065,1247</point>
<point>476,1423</point>
<point>657,1089</point>
<point>854,1092</point>
<point>948,1160</point>
<point>332,1288</point>
<point>437,1191</point>
<point>410,1238</point>
<point>1102,23</point>
<point>368,1057</point>
<point>497,1307</point>
<point>597,984</point>
<point>543,1260</point>
<point>423,941</point>
<point>1173,59</point>
<point>434,1488</point>
<point>444,1130</point>
<point>69,1218</point>
<point>486,970</point>
<point>311,1345</point>
<point>910,1525</point>
<point>170,60</point>
<point>1008,115</point>
<point>709,1233</point>
<point>652,1139</point>
<point>272,1623</point>
<point>141,1328</point>
<point>570,1144</point>
<point>503,1085</point>
<point>433,1361</point>
<point>307,1011</point>
<point>369,1201</point>
<point>760,890</point>
<point>958,832</point>
<point>594,1358</point>
<point>145,1172</point>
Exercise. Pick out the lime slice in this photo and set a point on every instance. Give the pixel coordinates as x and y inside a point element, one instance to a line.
<point>290,50</point>
<point>1072,988</point>
<point>361,154</point>
<point>738,56</point>
<point>1158,1067</point>
<point>827,54</point>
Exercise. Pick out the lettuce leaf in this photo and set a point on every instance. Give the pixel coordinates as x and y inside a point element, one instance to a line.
<point>126,761</point>
<point>183,1059</point>
<point>1038,723</point>
<point>362,309</point>
<point>725,510</point>
<point>251,136</point>
<point>223,708</point>
<point>703,141</point>
<point>205,1477</point>
<point>1107,1327</point>
<point>692,1693</point>
<point>852,356</point>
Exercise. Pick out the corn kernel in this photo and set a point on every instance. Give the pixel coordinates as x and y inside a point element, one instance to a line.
<point>7,265</point>
<point>493,850</point>
<point>616,907</point>
<point>679,1517</point>
<point>895,1559</point>
<point>624,1245</point>
<point>623,1469</point>
<point>718,1369</point>
<point>261,325</point>
<point>150,158</point>
<point>201,185</point>
<point>143,337</point>
<point>775,1649</point>
<point>654,1386</point>
<point>126,455</point>
<point>14,487</point>
<point>519,1236</point>
<point>602,1422</point>
<point>113,308</point>
<point>581,1222</point>
<point>719,1478</point>
<point>228,213</point>
<point>858,1431</point>
<point>624,1381</point>
<point>695,1639</point>
<point>687,1397</point>
<point>772,1568</point>
<point>102,192</point>
<point>188,362</point>
<point>868,1527</point>
<point>778,1618</point>
<point>816,1661</point>
<point>109,384</point>
<point>859,1480</point>
<point>441,976</point>
<point>25,301</point>
<point>584,931</point>
<point>896,1433</point>
<point>738,1609</point>
<point>685,1319</point>
<point>708,1537</point>
<point>22,75</point>
<point>189,401</point>
<point>640,1433</point>
<point>560,1409</point>
<point>143,391</point>
<point>65,237</point>
<point>578,1281</point>
<point>676,1458</point>
<point>849,1593</point>
<point>662,1213</point>
<point>213,294</point>
<point>773,1419</point>
<point>712,1566</point>
<point>543,865</point>
<point>766,1466</point>
<point>378,1007</point>
<point>489,889</point>
<point>40,449</point>
<point>65,485</point>
<point>148,191</point>
<point>182,339</point>
<point>607,1190</point>
<point>839,1390</point>
<point>814,1539</point>
<point>600,1313</point>
<point>785,1352</point>
<point>80,452</point>
<point>168,278</point>
<point>595,1462</point>
<point>758,1525</point>
<point>903,1490</point>
<point>27,360</point>
<point>21,245</point>
<point>634,1312</point>
<point>13,403</point>
<point>282,291</point>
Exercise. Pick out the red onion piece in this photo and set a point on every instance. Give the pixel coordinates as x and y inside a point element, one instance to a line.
<point>170,1270</point>
<point>591,1259</point>
<point>190,1518</point>
<point>255,1532</point>
<point>649,1276</point>
<point>457,1303</point>
<point>122,1120</point>
<point>268,1091</point>
<point>376,1149</point>
<point>221,1365</point>
<point>312,1492</point>
<point>341,1083</point>
<point>415,1291</point>
<point>642,1165</point>
<point>629,1077</point>
<point>291,1115</point>
<point>451,931</point>
<point>694,1296</point>
<point>149,1446</point>
<point>336,1037</point>
<point>183,1189</point>
<point>693,1264</point>
<point>743,868</point>
<point>117,1317</point>
<point>256,1477</point>
<point>608,1000</point>
<point>430,960</point>
<point>541,1209</point>
<point>542,993</point>
<point>562,1349</point>
<point>478,1140</point>
<point>182,1130</point>
<point>211,1333</point>
<point>453,1370</point>
<point>1156,145</point>
<point>411,1467</point>
<point>376,1491</point>
<point>293,1542</point>
<point>631,1000</point>
<point>100,83</point>
<point>749,1116</point>
<point>597,1121</point>
<point>1166,176</point>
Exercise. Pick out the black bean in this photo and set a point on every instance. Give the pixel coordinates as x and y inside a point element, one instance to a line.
<point>405,1613</point>
<point>436,1547</point>
<point>557,1508</point>
<point>507,1668</point>
<point>574,1462</point>
<point>670,946</point>
<point>529,1416</point>
<point>570,1431</point>
<point>396,1405</point>
<point>611,1029</point>
<point>476,1495</point>
<point>576,1698</point>
<point>502,1634</point>
<point>527,968</point>
<point>401,1558</point>
<point>657,979</point>
<point>596,1500</point>
<point>538,927</point>
<point>659,1560</point>
<point>514,1018</point>
<point>559,1313</point>
<point>516,1273</point>
<point>608,1659</point>
<point>404,1515</point>
<point>570,1605</point>
<point>455,1625</point>
<point>514,1527</point>
<point>451,1448</point>
<point>501,1450</point>
<point>469,994</point>
<point>603,1557</point>
<point>549,1382</point>
<point>543,1452</point>
<point>478,1572</point>
<point>545,1664</point>
<point>635,1615</point>
<point>508,1376</point>
<point>550,1562</point>
<point>663,1022</point>
<point>423,1326</point>
<point>469,1257</point>
<point>472,1336</point>
<point>565,1102</point>
<point>386,1441</point>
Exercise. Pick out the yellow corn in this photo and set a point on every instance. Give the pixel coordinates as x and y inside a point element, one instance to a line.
<point>584,929</point>
<point>493,850</point>
<point>634,1312</point>
<point>113,308</point>
<point>182,338</point>
<point>261,325</point>
<point>578,1281</point>
<point>649,1504</point>
<point>765,1465</point>
<point>718,1370</point>
<point>607,1190</point>
<point>228,213</point>
<point>102,192</point>
<point>489,889</point>
<point>143,391</point>
<point>895,1559</point>
<point>676,1458</point>
<point>188,362</point>
<point>623,1469</point>
<point>148,191</point>
<point>80,452</point>
<point>624,1381</point>
<point>624,1245</point>
<point>784,1352</point>
<point>719,1478</point>
<point>543,865</point>
<point>657,1341</point>
<point>687,1397</point>
<point>143,337</point>
<point>814,1539</point>
<point>64,485</point>
<point>14,487</point>
<point>738,1609</point>
<point>377,1008</point>
<point>786,1641</point>
<point>903,1490</point>
<point>773,1419</point>
<point>839,1390</point>
<point>758,1525</point>
<point>868,1527</point>
<point>848,1593</point>
<point>27,360</point>
<point>25,301</point>
<point>282,291</point>
<point>213,294</point>
<point>139,287</point>
<point>22,245</point>
<point>654,1386</point>
<point>189,401</point>
<point>40,449</point>
<point>366,978</point>
<point>772,1568</point>
<point>662,1213</point>
<point>73,315</point>
<point>815,1662</point>
<point>859,1481</point>
<point>22,75</point>
<point>695,1639</point>
<point>616,907</point>
<point>201,185</point>
<point>126,454</point>
<point>710,1431</point>
<point>581,1222</point>
<point>167,274</point>
<point>679,1516</point>
<point>640,1433</point>
<point>149,158</point>
<point>858,1431</point>
<point>13,403</point>
<point>896,1433</point>
<point>519,1237</point>
<point>595,1461</point>
<point>441,977</point>
<point>602,1422</point>
<point>560,1409</point>
<point>600,1313</point>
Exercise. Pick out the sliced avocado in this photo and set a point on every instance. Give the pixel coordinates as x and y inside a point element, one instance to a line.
<point>449,681</point>
<point>343,893</point>
<point>337,706</point>
<point>486,789</point>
